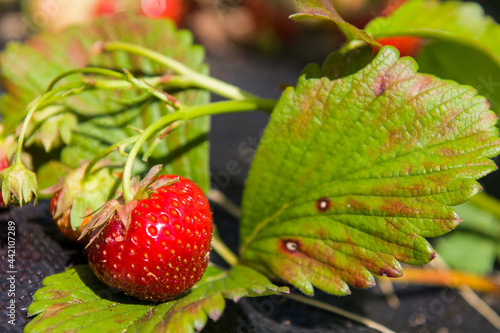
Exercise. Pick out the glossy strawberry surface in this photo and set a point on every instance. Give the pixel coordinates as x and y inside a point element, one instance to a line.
<point>407,46</point>
<point>166,248</point>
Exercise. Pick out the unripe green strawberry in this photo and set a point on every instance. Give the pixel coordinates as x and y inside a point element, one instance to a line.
<point>163,247</point>
<point>63,222</point>
<point>77,196</point>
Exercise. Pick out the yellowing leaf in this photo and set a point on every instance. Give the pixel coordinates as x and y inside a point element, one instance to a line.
<point>77,301</point>
<point>361,161</point>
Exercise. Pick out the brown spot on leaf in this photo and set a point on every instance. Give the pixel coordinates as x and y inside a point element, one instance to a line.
<point>359,281</point>
<point>389,272</point>
<point>356,205</point>
<point>323,205</point>
<point>290,245</point>
<point>447,151</point>
<point>322,233</point>
<point>424,83</point>
<point>396,208</point>
<point>380,85</point>
<point>54,309</point>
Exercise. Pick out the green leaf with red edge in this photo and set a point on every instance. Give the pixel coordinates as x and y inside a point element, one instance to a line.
<point>359,162</point>
<point>466,42</point>
<point>27,68</point>
<point>77,301</point>
<point>453,21</point>
<point>464,64</point>
<point>324,10</point>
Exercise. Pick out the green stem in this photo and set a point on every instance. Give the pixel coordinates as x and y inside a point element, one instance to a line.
<point>186,114</point>
<point>104,153</point>
<point>31,110</point>
<point>222,250</point>
<point>174,82</point>
<point>56,110</point>
<point>200,80</point>
<point>85,70</point>
<point>20,140</point>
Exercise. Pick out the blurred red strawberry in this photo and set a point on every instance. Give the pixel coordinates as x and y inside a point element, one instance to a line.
<point>172,9</point>
<point>54,15</point>
<point>108,7</point>
<point>407,45</point>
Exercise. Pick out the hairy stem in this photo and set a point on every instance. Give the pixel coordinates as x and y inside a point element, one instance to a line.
<point>33,106</point>
<point>188,113</point>
<point>200,80</point>
<point>85,70</point>
<point>104,153</point>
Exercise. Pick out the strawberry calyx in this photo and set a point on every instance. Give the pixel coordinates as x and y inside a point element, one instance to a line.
<point>142,190</point>
<point>19,185</point>
<point>95,189</point>
<point>80,195</point>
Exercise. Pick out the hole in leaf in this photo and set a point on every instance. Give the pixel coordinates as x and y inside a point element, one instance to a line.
<point>323,205</point>
<point>291,246</point>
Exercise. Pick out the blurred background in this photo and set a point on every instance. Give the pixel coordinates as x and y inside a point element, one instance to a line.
<point>252,44</point>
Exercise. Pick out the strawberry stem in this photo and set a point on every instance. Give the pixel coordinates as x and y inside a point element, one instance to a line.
<point>104,153</point>
<point>222,250</point>
<point>124,80</point>
<point>85,70</point>
<point>186,114</point>
<point>197,79</point>
<point>32,107</point>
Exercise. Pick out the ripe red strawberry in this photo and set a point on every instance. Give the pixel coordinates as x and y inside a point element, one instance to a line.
<point>407,46</point>
<point>173,9</point>
<point>163,249</point>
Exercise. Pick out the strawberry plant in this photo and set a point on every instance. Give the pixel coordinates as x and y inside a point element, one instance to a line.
<point>362,160</point>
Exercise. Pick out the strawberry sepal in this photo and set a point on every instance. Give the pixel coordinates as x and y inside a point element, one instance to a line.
<point>19,185</point>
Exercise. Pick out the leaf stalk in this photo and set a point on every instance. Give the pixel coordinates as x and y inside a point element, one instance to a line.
<point>200,80</point>
<point>188,113</point>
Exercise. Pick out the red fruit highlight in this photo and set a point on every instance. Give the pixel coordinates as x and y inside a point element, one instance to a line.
<point>166,248</point>
<point>108,8</point>
<point>407,46</point>
<point>173,9</point>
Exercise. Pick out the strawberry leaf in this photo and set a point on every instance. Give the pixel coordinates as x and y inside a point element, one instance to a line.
<point>467,47</point>
<point>324,10</point>
<point>464,64</point>
<point>361,161</point>
<point>77,300</point>
<point>27,68</point>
